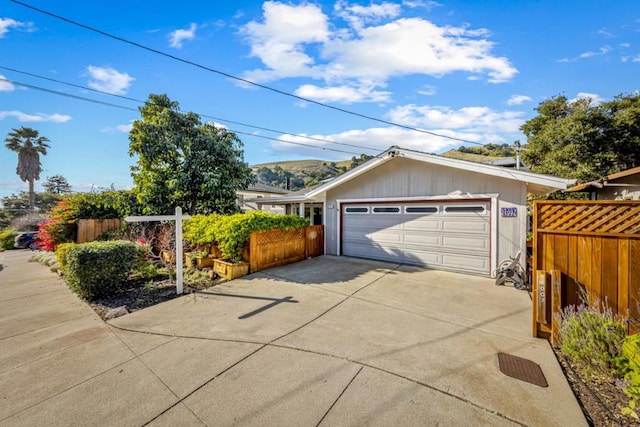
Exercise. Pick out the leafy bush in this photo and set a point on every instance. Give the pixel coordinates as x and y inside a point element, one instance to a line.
<point>592,338</point>
<point>233,231</point>
<point>61,255</point>
<point>8,238</point>
<point>200,229</point>
<point>101,269</point>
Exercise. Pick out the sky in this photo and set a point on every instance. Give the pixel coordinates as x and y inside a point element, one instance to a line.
<point>471,70</point>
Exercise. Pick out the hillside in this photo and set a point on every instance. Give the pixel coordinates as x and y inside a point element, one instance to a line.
<point>305,173</point>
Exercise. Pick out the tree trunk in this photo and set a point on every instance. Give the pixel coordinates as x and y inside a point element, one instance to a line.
<point>32,196</point>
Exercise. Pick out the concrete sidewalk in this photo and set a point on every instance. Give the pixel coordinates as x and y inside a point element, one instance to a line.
<point>331,341</point>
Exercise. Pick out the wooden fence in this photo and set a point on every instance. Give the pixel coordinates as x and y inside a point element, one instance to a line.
<point>90,229</point>
<point>593,248</point>
<point>276,247</point>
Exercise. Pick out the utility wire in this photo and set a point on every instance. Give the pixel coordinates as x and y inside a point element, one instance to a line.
<point>108,104</point>
<point>240,79</point>
<point>201,115</point>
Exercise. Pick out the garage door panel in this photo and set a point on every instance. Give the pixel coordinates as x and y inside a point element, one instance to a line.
<point>466,262</point>
<point>473,243</point>
<point>455,241</point>
<point>463,225</point>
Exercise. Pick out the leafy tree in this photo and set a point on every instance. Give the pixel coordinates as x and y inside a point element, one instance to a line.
<point>581,140</point>
<point>491,150</point>
<point>182,162</point>
<point>29,145</point>
<point>57,184</point>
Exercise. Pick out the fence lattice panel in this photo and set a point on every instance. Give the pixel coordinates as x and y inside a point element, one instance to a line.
<point>593,217</point>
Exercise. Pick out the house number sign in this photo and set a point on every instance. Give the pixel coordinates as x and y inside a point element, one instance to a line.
<point>509,212</point>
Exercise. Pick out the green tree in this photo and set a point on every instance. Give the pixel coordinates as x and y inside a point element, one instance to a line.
<point>182,162</point>
<point>29,145</point>
<point>582,140</point>
<point>57,184</point>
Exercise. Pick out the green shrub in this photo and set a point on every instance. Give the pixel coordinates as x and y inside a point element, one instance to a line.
<point>61,255</point>
<point>100,269</point>
<point>43,257</point>
<point>8,238</point>
<point>233,231</point>
<point>592,338</point>
<point>200,229</point>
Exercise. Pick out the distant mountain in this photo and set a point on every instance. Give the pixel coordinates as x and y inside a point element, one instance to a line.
<point>305,173</point>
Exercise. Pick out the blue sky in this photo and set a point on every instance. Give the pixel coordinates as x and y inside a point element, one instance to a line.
<point>473,70</point>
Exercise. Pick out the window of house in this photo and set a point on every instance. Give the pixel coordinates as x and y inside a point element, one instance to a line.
<point>420,209</point>
<point>357,210</point>
<point>386,209</point>
<point>465,209</point>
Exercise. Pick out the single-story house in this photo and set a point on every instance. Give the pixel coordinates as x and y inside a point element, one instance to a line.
<point>416,208</point>
<point>260,191</point>
<point>623,185</point>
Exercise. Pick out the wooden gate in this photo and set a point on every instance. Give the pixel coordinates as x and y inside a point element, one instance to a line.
<point>594,246</point>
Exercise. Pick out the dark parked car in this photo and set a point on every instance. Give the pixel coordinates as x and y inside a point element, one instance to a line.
<point>27,239</point>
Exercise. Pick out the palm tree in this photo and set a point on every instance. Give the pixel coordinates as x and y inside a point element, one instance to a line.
<point>29,146</point>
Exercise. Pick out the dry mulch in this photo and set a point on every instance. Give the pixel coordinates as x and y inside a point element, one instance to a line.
<point>601,399</point>
<point>143,295</point>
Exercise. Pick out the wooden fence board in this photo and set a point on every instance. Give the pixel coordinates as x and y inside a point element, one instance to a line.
<point>634,281</point>
<point>623,277</point>
<point>610,273</point>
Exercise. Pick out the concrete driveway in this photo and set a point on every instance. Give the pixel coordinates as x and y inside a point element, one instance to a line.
<point>327,341</point>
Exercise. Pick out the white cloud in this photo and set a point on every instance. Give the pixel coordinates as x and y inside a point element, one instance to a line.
<point>376,139</point>
<point>109,80</point>
<point>299,41</point>
<point>345,94</point>
<point>7,23</point>
<point>602,51</point>
<point>518,99</point>
<point>467,119</point>
<point>178,36</point>
<point>37,117</point>
<point>427,4</point>
<point>357,16</point>
<point>427,90</point>
<point>6,86</point>
<point>594,97</point>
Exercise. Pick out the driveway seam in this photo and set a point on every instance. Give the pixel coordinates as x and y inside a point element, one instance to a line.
<point>181,400</point>
<point>32,295</point>
<point>48,326</point>
<point>339,396</point>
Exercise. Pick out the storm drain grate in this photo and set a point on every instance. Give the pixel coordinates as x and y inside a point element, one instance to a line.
<point>521,369</point>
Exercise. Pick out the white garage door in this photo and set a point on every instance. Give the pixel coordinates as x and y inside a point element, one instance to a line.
<point>448,235</point>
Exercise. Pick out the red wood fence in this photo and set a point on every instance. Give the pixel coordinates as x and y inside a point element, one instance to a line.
<point>595,248</point>
<point>276,247</point>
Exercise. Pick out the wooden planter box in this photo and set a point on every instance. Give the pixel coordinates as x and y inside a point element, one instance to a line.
<point>204,262</point>
<point>230,270</point>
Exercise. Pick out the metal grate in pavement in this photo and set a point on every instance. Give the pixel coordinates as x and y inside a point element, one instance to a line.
<point>521,369</point>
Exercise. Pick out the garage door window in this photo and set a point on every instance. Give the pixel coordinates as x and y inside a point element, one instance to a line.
<point>357,210</point>
<point>421,210</point>
<point>465,209</point>
<point>386,210</point>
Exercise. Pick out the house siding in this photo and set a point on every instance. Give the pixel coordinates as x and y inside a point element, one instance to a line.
<point>632,192</point>
<point>401,177</point>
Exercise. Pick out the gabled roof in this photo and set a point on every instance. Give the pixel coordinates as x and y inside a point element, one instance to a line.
<point>602,182</point>
<point>536,183</point>
<point>260,187</point>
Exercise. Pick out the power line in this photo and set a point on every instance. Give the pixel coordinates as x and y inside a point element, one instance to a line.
<point>240,79</point>
<point>108,104</point>
<point>201,115</point>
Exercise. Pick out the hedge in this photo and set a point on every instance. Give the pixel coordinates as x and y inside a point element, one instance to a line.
<point>100,269</point>
<point>8,238</point>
